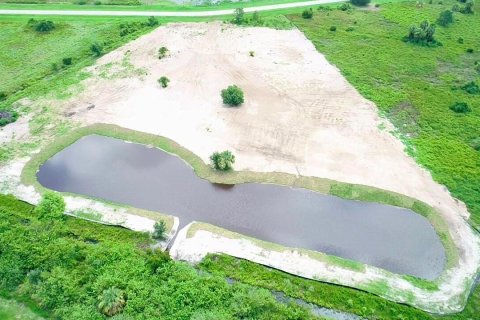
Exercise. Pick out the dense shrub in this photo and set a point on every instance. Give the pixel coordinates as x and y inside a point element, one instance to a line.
<point>344,7</point>
<point>471,88</point>
<point>41,25</point>
<point>360,2</point>
<point>152,22</point>
<point>222,161</point>
<point>307,14</point>
<point>460,107</point>
<point>67,61</point>
<point>456,7</point>
<point>469,50</point>
<point>163,81</point>
<point>97,49</point>
<point>333,28</point>
<point>445,18</point>
<point>159,229</point>
<point>468,8</point>
<point>7,117</point>
<point>423,34</point>
<point>232,96</point>
<point>3,96</point>
<point>52,206</point>
<point>162,52</point>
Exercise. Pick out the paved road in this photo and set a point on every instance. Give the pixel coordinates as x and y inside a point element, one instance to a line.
<point>123,13</point>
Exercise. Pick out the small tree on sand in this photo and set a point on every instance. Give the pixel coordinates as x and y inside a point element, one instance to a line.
<point>222,161</point>
<point>164,81</point>
<point>162,52</point>
<point>232,96</point>
<point>159,230</point>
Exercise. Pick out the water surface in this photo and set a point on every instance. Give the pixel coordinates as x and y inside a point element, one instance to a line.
<point>388,237</point>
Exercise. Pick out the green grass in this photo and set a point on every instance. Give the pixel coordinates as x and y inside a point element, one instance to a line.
<point>13,310</point>
<point>327,295</point>
<point>412,85</point>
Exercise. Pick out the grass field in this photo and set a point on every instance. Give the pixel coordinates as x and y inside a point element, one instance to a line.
<point>413,85</point>
<point>12,310</point>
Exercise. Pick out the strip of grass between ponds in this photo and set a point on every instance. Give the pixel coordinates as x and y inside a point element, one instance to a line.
<point>321,185</point>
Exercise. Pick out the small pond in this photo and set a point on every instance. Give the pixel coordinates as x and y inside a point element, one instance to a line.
<point>388,237</point>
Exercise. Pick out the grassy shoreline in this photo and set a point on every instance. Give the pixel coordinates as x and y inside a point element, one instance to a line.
<point>324,186</point>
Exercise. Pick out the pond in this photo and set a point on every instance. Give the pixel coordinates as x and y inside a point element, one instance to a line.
<point>384,236</point>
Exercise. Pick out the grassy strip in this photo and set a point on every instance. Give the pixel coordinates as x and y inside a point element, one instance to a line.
<point>319,256</point>
<point>325,186</point>
<point>327,295</point>
<point>413,85</point>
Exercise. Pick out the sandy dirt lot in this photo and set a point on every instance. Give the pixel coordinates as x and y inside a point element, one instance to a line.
<point>300,116</point>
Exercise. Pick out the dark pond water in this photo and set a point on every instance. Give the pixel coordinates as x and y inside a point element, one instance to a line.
<point>388,237</point>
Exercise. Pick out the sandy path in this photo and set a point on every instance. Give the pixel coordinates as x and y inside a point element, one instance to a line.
<point>123,13</point>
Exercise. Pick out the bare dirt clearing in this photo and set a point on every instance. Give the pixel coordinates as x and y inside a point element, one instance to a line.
<point>300,114</point>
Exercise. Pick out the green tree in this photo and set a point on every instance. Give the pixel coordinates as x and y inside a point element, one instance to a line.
<point>159,230</point>
<point>232,96</point>
<point>468,8</point>
<point>111,301</point>
<point>41,26</point>
<point>360,3</point>
<point>52,206</point>
<point>445,18</point>
<point>239,16</point>
<point>152,21</point>
<point>423,34</point>
<point>162,52</point>
<point>163,81</point>
<point>222,161</point>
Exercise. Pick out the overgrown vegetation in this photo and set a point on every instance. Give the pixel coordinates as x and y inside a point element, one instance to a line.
<point>232,96</point>
<point>412,85</point>
<point>222,161</point>
<point>41,26</point>
<point>159,230</point>
<point>360,3</point>
<point>445,18</point>
<point>422,34</point>
<point>331,296</point>
<point>162,52</point>
<point>51,207</point>
<point>76,269</point>
<point>460,107</point>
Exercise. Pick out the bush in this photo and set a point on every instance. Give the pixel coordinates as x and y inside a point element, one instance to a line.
<point>471,88</point>
<point>159,229</point>
<point>460,107</point>
<point>51,207</point>
<point>222,161</point>
<point>460,40</point>
<point>152,22</point>
<point>344,7</point>
<point>42,26</point>
<point>111,301</point>
<point>7,117</point>
<point>67,61</point>
<point>360,3</point>
<point>251,53</point>
<point>350,29</point>
<point>469,50</point>
<point>445,18</point>
<point>232,96</point>
<point>468,8</point>
<point>333,28</point>
<point>162,52</point>
<point>239,16</point>
<point>475,144</point>
<point>456,7</point>
<point>307,14</point>
<point>3,96</point>
<point>164,81</point>
<point>422,34</point>
<point>97,49</point>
